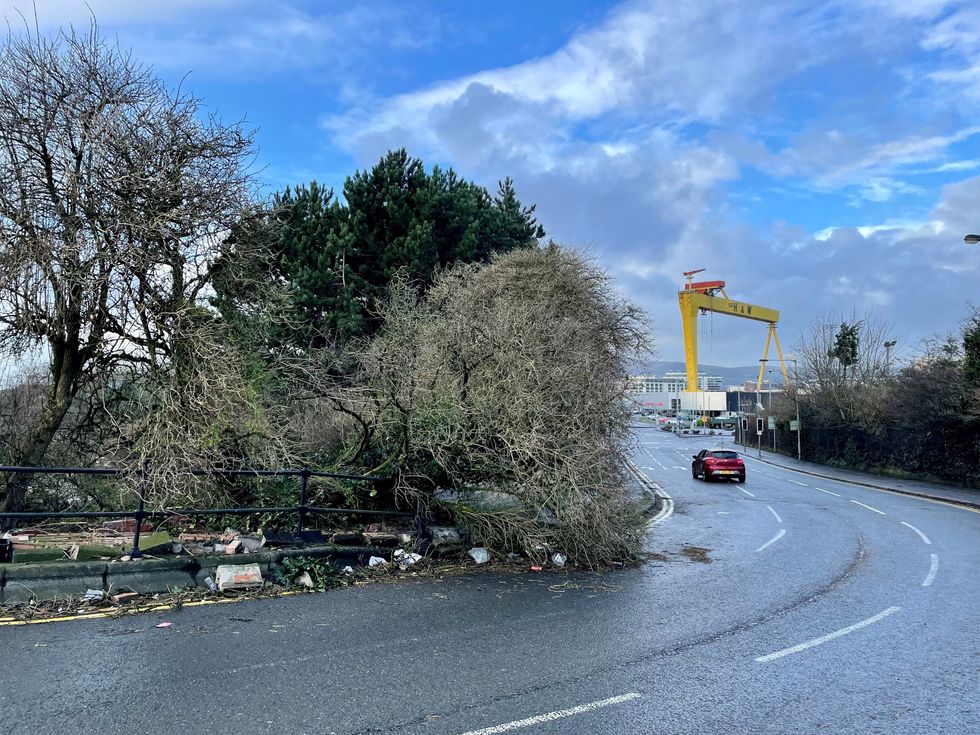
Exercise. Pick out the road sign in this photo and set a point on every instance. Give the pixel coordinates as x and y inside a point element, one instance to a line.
<point>758,425</point>
<point>794,425</point>
<point>772,422</point>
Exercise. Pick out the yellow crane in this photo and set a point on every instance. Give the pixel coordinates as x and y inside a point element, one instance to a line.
<point>701,297</point>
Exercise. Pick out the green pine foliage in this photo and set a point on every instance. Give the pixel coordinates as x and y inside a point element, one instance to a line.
<point>338,257</point>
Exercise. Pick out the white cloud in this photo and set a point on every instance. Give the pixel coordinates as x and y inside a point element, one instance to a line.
<point>629,135</point>
<point>881,189</point>
<point>669,63</point>
<point>239,37</point>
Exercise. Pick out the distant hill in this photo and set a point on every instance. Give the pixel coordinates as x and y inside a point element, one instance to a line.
<point>729,375</point>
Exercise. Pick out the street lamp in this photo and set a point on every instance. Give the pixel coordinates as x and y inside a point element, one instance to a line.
<point>758,395</point>
<point>769,417</point>
<point>769,381</point>
<point>971,239</point>
<point>796,393</point>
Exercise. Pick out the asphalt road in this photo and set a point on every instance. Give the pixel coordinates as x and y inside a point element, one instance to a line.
<point>818,607</point>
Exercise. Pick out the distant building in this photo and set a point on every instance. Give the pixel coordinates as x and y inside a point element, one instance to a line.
<point>705,382</point>
<point>669,393</point>
<point>653,384</point>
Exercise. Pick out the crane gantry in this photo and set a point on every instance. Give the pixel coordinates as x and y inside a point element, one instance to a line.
<point>700,297</point>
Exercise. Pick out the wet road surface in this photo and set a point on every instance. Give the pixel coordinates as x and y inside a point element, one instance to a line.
<point>785,605</point>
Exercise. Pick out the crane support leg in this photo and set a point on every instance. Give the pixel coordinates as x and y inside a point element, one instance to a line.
<point>764,361</point>
<point>779,351</point>
<point>771,336</point>
<point>689,322</point>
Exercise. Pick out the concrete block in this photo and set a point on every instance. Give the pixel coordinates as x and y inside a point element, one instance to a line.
<point>239,576</point>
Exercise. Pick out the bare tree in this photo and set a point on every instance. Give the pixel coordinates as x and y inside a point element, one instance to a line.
<point>115,194</point>
<point>844,386</point>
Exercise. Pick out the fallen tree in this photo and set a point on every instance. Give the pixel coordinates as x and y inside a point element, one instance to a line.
<point>506,382</point>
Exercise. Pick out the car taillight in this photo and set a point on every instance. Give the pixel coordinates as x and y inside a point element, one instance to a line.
<point>710,460</point>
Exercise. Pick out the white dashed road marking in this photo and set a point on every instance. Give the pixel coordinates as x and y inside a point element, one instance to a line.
<point>921,535</point>
<point>778,519</point>
<point>557,715</point>
<point>796,482</point>
<point>746,492</point>
<point>829,637</point>
<point>836,495</point>
<point>933,568</point>
<point>774,539</point>
<point>869,507</point>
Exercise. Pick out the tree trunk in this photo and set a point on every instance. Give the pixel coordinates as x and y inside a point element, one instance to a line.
<point>67,369</point>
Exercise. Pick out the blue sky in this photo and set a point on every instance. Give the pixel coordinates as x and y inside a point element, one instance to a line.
<point>819,157</point>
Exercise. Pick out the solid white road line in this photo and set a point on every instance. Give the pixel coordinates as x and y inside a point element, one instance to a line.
<point>778,519</point>
<point>668,507</point>
<point>677,468</point>
<point>796,482</point>
<point>868,507</point>
<point>557,715</point>
<point>746,492</point>
<point>921,535</point>
<point>829,637</point>
<point>836,495</point>
<point>933,568</point>
<point>774,539</point>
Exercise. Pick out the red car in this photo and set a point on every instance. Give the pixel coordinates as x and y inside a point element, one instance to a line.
<point>723,464</point>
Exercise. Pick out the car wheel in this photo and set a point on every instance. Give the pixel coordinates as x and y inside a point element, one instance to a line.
<point>694,474</point>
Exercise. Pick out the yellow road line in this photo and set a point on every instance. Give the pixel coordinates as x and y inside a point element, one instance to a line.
<point>133,611</point>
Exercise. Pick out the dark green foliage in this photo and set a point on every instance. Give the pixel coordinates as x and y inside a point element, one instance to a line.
<point>971,349</point>
<point>846,345</point>
<point>314,256</point>
<point>927,421</point>
<point>323,573</point>
<point>339,257</point>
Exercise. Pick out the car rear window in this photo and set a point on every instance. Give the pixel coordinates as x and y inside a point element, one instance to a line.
<point>723,455</point>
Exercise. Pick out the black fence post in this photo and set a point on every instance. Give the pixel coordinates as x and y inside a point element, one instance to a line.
<point>304,479</point>
<point>136,553</point>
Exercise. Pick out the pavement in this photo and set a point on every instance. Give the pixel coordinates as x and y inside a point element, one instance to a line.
<point>935,490</point>
<point>789,604</point>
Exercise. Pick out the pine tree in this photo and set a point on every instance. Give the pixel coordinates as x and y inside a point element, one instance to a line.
<point>340,257</point>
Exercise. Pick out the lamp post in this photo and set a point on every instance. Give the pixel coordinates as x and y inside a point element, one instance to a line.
<point>796,394</point>
<point>770,417</point>
<point>758,398</point>
<point>738,426</point>
<point>758,395</point>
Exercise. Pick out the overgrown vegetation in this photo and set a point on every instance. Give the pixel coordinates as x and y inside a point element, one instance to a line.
<point>156,316</point>
<point>506,382</point>
<point>920,417</point>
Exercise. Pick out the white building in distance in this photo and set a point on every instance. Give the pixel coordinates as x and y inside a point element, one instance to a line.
<point>674,382</point>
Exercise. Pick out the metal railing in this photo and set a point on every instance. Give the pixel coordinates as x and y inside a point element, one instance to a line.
<point>141,513</point>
